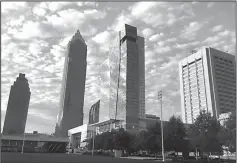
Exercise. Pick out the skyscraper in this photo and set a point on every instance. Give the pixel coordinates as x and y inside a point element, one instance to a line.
<point>73,86</point>
<point>127,78</point>
<point>94,113</point>
<point>207,82</point>
<point>17,108</point>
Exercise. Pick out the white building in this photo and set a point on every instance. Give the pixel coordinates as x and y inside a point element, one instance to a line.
<point>79,135</point>
<point>207,81</point>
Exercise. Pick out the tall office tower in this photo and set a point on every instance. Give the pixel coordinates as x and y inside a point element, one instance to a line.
<point>127,78</point>
<point>17,108</point>
<point>104,85</point>
<point>94,113</point>
<point>207,82</point>
<point>73,86</point>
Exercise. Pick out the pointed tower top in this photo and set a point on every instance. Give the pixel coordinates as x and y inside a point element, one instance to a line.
<point>77,36</point>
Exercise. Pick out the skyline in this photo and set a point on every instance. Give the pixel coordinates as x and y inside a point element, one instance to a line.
<point>171,31</point>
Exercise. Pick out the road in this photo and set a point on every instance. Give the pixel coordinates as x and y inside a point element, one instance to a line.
<point>62,158</point>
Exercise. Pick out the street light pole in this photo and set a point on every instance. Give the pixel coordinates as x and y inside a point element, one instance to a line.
<point>162,137</point>
<point>93,143</point>
<point>23,144</point>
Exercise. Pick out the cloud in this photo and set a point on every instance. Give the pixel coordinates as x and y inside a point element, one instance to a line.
<point>102,37</point>
<point>211,39</point>
<point>217,28</point>
<point>210,4</point>
<point>54,6</point>
<point>11,6</point>
<point>16,22</point>
<point>69,20</point>
<point>94,14</point>
<point>151,13</point>
<point>162,50</point>
<point>156,37</point>
<point>173,39</point>
<point>140,8</point>
<point>191,30</point>
<point>5,38</point>
<point>39,11</point>
<point>147,32</point>
<point>26,31</point>
<point>181,46</point>
<point>224,33</point>
<point>118,25</point>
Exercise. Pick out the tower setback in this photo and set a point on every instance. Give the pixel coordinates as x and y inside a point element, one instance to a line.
<point>17,108</point>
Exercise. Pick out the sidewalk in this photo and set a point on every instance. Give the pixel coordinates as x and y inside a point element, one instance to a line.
<point>146,158</point>
<point>139,158</point>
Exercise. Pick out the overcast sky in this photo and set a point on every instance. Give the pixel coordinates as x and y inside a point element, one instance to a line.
<point>35,35</point>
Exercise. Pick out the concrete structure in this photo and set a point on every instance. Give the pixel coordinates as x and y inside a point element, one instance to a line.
<point>94,113</point>
<point>79,135</point>
<point>17,108</point>
<point>127,78</point>
<point>150,120</point>
<point>207,82</point>
<point>33,143</point>
<point>73,86</point>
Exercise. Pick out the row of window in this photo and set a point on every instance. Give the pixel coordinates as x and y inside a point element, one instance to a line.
<point>227,74</point>
<point>224,61</point>
<point>223,68</point>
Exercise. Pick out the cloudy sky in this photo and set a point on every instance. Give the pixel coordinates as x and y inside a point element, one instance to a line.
<point>34,37</point>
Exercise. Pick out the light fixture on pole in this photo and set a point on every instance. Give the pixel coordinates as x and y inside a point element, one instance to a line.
<point>162,138</point>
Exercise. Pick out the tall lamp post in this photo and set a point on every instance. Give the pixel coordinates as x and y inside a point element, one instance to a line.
<point>23,144</point>
<point>162,137</point>
<point>93,140</point>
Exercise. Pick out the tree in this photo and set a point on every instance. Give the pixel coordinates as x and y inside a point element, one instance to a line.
<point>138,141</point>
<point>104,141</point>
<point>122,140</point>
<point>203,134</point>
<point>228,134</point>
<point>175,135</point>
<point>153,142</point>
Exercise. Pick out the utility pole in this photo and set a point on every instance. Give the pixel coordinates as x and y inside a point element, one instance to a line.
<point>162,138</point>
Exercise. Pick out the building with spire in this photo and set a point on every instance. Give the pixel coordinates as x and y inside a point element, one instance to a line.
<point>17,108</point>
<point>73,86</point>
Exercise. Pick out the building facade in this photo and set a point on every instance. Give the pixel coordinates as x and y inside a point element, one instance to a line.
<point>127,78</point>
<point>73,86</point>
<point>17,108</point>
<point>207,82</point>
<point>33,143</point>
<point>94,113</point>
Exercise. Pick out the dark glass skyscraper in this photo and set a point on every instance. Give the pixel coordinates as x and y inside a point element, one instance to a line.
<point>73,86</point>
<point>17,108</point>
<point>94,113</point>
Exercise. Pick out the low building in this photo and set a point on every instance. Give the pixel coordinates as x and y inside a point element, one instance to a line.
<point>30,142</point>
<point>78,136</point>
